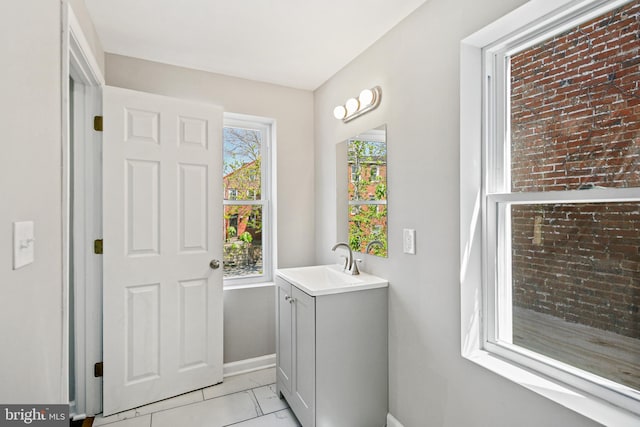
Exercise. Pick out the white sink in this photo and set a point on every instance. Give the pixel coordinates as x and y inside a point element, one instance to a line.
<point>329,279</point>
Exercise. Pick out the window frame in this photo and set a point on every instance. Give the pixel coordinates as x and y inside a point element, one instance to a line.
<point>267,128</point>
<point>485,215</point>
<point>374,173</point>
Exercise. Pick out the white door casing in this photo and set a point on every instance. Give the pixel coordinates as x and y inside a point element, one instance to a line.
<point>162,228</point>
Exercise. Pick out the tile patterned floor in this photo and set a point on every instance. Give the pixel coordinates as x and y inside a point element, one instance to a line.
<point>245,400</point>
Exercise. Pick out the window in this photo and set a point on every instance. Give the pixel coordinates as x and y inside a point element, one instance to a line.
<point>353,173</point>
<point>247,203</point>
<point>557,210</point>
<point>375,173</point>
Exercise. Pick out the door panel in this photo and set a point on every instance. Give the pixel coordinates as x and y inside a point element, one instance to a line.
<point>284,352</point>
<point>193,324</point>
<point>192,193</point>
<point>162,171</point>
<point>142,332</point>
<point>304,356</point>
<point>142,207</point>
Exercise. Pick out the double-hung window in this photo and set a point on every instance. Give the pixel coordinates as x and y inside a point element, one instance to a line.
<point>556,211</point>
<point>247,177</point>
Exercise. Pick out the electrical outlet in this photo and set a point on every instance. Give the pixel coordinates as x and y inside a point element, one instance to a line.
<point>23,243</point>
<point>409,241</point>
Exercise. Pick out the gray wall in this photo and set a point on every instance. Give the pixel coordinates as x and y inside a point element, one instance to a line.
<point>33,369</point>
<point>249,323</point>
<point>31,298</point>
<point>249,329</point>
<point>417,66</point>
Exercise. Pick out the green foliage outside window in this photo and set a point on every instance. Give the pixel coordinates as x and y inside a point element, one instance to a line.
<point>367,183</point>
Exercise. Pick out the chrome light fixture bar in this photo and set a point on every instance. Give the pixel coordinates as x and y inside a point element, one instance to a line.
<point>368,100</point>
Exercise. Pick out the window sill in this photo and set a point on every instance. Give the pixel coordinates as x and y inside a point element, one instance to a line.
<point>578,401</point>
<point>232,287</point>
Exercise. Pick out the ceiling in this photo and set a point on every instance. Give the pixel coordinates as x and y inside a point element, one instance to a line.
<point>295,43</point>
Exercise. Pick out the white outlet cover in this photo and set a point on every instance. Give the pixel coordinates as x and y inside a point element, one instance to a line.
<point>409,241</point>
<point>23,244</point>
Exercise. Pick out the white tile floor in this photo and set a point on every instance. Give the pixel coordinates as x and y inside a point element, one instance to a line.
<point>245,400</point>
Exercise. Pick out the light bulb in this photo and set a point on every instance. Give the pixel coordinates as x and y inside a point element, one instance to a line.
<point>352,105</point>
<point>339,112</point>
<point>366,97</point>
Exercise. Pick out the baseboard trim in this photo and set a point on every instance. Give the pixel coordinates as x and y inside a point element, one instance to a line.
<point>392,421</point>
<point>249,365</point>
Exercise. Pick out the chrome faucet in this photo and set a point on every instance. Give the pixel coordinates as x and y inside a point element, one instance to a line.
<point>350,266</point>
<point>372,244</point>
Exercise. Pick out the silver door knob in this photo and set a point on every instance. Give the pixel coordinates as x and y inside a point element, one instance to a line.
<point>214,264</point>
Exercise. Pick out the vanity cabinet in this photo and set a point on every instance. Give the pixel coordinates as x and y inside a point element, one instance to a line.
<point>332,356</point>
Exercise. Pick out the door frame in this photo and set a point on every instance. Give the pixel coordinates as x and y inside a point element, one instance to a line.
<point>82,201</point>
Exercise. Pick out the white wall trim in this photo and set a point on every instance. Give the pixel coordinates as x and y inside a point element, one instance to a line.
<point>392,421</point>
<point>79,63</point>
<point>249,365</point>
<point>81,57</point>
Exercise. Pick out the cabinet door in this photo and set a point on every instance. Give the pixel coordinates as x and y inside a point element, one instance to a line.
<point>284,330</point>
<point>304,357</point>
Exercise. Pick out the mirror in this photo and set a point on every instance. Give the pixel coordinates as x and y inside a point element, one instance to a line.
<point>362,191</point>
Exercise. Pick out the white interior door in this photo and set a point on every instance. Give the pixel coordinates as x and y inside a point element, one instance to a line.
<point>162,229</point>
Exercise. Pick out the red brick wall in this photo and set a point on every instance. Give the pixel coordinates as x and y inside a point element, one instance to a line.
<point>575,123</point>
<point>582,265</point>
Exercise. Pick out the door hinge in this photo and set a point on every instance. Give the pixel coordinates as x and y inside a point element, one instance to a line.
<point>97,123</point>
<point>97,247</point>
<point>97,369</point>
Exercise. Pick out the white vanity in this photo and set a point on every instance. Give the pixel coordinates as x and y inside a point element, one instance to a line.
<point>332,356</point>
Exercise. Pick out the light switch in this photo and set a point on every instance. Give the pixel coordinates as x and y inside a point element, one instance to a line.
<point>409,241</point>
<point>23,243</point>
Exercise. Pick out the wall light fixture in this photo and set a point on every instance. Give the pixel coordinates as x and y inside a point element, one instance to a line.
<point>368,100</point>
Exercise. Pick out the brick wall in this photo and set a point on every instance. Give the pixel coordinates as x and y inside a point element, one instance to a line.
<point>575,124</point>
<point>579,262</point>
